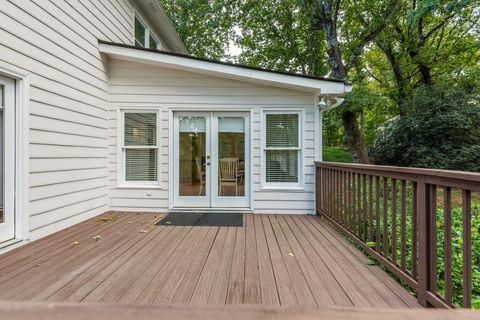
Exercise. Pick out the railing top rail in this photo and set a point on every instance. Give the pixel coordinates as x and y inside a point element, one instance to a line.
<point>368,168</point>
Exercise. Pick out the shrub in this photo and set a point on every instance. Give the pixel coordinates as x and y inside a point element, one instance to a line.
<point>441,129</point>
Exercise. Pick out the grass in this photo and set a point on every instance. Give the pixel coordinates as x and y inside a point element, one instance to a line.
<point>336,154</point>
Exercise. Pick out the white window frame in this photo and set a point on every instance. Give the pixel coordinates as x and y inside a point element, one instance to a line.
<point>121,150</point>
<point>299,185</point>
<point>148,32</point>
<point>22,153</point>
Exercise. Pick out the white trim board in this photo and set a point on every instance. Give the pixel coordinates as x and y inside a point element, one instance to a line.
<point>160,59</point>
<point>22,151</point>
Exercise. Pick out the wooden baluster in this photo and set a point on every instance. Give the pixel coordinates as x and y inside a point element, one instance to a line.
<point>354,204</point>
<point>334,213</point>
<point>414,235</point>
<point>447,243</point>
<point>370,205</point>
<point>467,248</point>
<point>365,219</point>
<point>403,225</point>
<point>339,196</point>
<point>345,199</point>
<point>349,217</point>
<point>433,238</point>
<point>385,217</point>
<point>377,212</point>
<point>329,179</point>
<point>359,206</point>
<point>394,221</point>
<point>342,204</point>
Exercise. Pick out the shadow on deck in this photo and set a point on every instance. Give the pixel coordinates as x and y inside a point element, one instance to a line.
<point>287,260</point>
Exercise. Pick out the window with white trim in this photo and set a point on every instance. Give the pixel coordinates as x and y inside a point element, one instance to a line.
<point>140,147</point>
<point>282,149</point>
<point>144,37</point>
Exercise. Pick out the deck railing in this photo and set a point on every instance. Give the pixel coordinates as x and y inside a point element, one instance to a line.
<point>416,222</point>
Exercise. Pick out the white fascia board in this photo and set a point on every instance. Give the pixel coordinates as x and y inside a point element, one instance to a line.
<point>315,86</point>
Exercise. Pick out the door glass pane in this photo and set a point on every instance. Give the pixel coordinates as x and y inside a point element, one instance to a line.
<point>231,155</point>
<point>192,156</point>
<point>2,215</point>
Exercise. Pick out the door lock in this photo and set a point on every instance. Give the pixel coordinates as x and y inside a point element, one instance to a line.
<point>208,163</point>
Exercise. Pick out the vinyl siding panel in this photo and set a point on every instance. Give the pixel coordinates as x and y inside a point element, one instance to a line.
<point>133,85</point>
<point>56,42</point>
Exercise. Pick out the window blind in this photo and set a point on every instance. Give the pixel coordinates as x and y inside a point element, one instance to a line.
<point>282,148</point>
<point>141,165</point>
<point>141,152</point>
<point>282,130</point>
<point>140,129</point>
<point>282,165</point>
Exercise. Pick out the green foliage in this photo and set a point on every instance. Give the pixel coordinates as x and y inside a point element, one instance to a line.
<point>206,27</point>
<point>277,35</point>
<point>457,254</point>
<point>441,130</point>
<point>334,154</point>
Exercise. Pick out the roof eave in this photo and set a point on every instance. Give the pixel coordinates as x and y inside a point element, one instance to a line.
<point>315,86</point>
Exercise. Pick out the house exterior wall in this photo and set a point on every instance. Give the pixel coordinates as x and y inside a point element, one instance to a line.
<point>56,43</point>
<point>133,85</point>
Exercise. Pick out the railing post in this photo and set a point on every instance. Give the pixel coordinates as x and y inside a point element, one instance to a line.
<point>318,190</point>
<point>424,238</point>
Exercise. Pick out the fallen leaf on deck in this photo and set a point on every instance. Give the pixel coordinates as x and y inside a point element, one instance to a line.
<point>291,254</point>
<point>96,238</point>
<point>143,231</point>
<point>75,242</point>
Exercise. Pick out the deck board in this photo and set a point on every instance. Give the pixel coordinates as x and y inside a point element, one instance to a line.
<point>287,260</point>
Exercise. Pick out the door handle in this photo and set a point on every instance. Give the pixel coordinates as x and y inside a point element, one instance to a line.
<point>208,157</point>
<point>208,163</point>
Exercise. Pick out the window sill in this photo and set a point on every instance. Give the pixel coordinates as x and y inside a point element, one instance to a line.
<point>139,186</point>
<point>282,188</point>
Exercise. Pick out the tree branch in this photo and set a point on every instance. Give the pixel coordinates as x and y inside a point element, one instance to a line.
<point>369,35</point>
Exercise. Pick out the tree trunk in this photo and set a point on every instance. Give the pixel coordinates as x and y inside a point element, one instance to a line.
<point>354,137</point>
<point>356,146</point>
<point>326,15</point>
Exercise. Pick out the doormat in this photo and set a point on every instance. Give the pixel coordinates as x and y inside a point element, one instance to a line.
<point>202,219</point>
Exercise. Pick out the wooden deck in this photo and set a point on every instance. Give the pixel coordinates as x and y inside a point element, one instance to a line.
<point>287,260</point>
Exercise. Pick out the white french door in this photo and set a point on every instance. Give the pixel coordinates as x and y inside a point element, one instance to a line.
<point>7,158</point>
<point>212,159</point>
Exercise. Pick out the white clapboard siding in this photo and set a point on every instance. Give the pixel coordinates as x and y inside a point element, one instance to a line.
<point>56,42</point>
<point>136,85</point>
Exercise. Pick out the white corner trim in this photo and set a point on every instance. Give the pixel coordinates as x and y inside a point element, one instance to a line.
<point>22,148</point>
<point>184,63</point>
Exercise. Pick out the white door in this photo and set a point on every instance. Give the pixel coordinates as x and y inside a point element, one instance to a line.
<point>7,158</point>
<point>212,159</point>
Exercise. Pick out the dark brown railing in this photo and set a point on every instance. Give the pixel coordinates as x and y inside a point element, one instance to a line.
<point>404,218</point>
